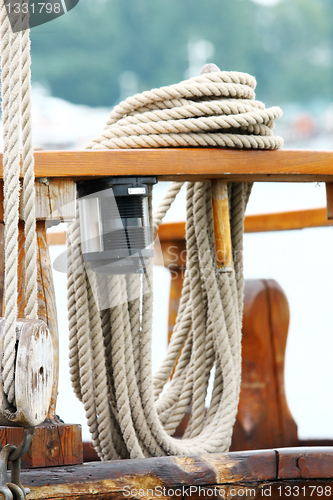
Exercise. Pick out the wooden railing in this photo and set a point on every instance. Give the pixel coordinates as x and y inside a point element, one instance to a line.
<point>189,164</point>
<point>281,221</point>
<point>55,443</point>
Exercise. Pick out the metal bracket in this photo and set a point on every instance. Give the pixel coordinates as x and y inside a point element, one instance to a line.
<point>13,490</point>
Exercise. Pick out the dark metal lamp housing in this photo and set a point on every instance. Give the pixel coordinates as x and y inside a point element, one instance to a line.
<point>116,236</point>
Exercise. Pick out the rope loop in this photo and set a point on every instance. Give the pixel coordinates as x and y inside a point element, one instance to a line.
<point>215,109</point>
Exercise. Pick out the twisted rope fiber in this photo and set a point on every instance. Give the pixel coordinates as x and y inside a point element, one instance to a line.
<point>16,114</point>
<point>141,412</point>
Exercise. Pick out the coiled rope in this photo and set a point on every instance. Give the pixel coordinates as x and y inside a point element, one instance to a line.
<point>110,351</point>
<point>16,117</point>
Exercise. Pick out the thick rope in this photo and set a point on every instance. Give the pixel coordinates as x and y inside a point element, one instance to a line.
<point>28,180</point>
<point>215,109</point>
<point>16,113</point>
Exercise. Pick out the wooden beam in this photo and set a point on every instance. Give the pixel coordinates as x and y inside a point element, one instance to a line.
<point>284,221</point>
<point>238,470</point>
<point>281,221</point>
<point>55,200</point>
<point>189,164</point>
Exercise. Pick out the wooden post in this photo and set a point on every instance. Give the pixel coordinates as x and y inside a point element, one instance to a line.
<point>54,442</point>
<point>329,200</point>
<point>222,232</point>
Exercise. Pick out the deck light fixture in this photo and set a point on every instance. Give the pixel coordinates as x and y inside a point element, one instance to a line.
<point>116,236</point>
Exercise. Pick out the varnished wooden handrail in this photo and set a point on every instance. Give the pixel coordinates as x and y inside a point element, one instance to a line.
<point>282,221</point>
<point>189,164</point>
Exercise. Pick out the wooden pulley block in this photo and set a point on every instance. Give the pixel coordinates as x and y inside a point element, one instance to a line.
<point>33,374</point>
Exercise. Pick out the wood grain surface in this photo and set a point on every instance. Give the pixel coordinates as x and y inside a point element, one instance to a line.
<point>189,163</point>
<point>54,443</point>
<point>258,470</point>
<point>280,221</point>
<point>221,220</point>
<point>55,200</point>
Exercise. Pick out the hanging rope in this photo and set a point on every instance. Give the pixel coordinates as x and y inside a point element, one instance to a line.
<point>110,351</point>
<point>16,117</point>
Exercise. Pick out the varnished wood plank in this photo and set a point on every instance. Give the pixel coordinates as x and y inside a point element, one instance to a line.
<point>189,163</point>
<point>281,221</point>
<point>284,221</point>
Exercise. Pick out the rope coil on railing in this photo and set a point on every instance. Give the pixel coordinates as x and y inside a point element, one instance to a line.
<point>110,351</point>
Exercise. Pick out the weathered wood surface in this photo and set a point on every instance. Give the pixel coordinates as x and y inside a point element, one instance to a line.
<point>55,200</point>
<point>54,444</point>
<point>33,374</point>
<point>258,470</point>
<point>189,164</point>
<point>47,310</point>
<point>221,220</point>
